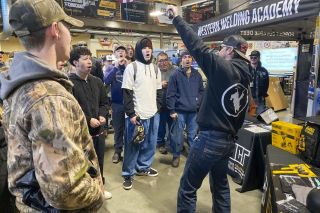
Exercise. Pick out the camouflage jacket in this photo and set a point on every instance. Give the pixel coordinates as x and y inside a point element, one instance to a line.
<point>47,131</point>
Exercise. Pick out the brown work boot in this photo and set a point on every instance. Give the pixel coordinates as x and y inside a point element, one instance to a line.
<point>175,161</point>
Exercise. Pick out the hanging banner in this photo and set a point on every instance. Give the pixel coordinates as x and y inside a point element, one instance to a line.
<point>258,15</point>
<point>91,8</point>
<point>135,12</point>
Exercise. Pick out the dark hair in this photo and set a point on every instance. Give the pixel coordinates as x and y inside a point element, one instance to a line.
<point>77,52</point>
<point>162,53</point>
<point>34,41</point>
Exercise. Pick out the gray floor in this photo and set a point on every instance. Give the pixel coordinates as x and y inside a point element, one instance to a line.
<point>159,194</point>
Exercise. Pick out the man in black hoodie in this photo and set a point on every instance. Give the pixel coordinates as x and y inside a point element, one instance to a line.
<point>221,114</point>
<point>260,81</point>
<point>92,97</point>
<point>142,95</point>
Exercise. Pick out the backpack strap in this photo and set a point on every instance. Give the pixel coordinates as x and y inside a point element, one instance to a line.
<point>155,70</point>
<point>134,64</point>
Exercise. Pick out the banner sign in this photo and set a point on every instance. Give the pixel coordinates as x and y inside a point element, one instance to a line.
<point>91,8</point>
<point>258,15</point>
<point>135,12</point>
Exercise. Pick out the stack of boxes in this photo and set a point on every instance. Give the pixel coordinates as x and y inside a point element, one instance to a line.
<point>286,136</point>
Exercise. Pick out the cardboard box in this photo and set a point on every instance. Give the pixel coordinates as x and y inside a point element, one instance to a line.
<point>286,136</point>
<point>276,99</point>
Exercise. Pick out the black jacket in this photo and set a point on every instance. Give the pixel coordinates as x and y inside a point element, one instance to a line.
<point>225,101</point>
<point>260,76</point>
<point>92,97</point>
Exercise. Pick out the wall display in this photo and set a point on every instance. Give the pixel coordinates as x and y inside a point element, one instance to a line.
<point>135,11</point>
<point>258,15</point>
<point>91,8</point>
<point>279,61</point>
<point>199,12</point>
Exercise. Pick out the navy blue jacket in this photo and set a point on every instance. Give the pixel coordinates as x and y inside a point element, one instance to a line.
<point>260,81</point>
<point>115,78</point>
<point>184,94</point>
<point>225,100</point>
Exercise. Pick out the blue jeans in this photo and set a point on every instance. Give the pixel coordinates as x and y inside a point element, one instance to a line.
<point>261,104</point>
<point>209,154</point>
<point>139,157</point>
<point>187,119</point>
<point>118,122</point>
<point>165,120</point>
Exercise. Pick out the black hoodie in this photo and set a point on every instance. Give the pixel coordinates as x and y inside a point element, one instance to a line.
<point>225,101</point>
<point>92,97</point>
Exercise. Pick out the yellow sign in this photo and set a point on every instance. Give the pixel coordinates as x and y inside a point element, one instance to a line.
<point>108,4</point>
<point>317,32</point>
<point>104,13</point>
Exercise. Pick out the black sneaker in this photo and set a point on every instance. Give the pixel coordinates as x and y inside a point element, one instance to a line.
<point>116,157</point>
<point>127,183</point>
<point>152,173</point>
<point>163,150</point>
<point>175,162</point>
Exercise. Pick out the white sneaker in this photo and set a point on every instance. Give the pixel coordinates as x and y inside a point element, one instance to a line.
<point>107,195</point>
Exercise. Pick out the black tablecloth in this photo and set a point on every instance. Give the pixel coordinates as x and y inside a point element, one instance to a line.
<point>272,191</point>
<point>247,165</point>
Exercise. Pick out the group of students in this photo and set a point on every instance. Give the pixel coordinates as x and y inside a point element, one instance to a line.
<point>54,127</point>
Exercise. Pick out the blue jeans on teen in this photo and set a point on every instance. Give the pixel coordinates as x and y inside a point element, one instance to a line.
<point>139,157</point>
<point>261,104</point>
<point>187,119</point>
<point>209,154</point>
<point>118,122</point>
<point>165,120</point>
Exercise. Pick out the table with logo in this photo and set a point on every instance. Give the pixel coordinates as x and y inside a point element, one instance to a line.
<point>273,195</point>
<point>247,164</point>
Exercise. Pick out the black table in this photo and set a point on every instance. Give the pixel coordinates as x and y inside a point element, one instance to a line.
<point>272,191</point>
<point>247,165</point>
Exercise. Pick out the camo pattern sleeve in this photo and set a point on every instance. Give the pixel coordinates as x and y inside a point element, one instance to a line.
<point>48,132</point>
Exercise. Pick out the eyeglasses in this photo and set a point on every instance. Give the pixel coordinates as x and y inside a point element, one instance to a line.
<point>254,57</point>
<point>163,60</point>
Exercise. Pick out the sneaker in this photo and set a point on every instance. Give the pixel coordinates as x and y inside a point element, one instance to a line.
<point>175,162</point>
<point>163,150</point>
<point>107,195</point>
<point>152,173</point>
<point>127,183</point>
<point>116,157</point>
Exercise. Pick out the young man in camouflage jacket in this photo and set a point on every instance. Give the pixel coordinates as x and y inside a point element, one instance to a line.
<point>45,127</point>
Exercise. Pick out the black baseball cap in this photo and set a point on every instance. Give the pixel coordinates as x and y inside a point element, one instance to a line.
<point>121,47</point>
<point>239,44</point>
<point>255,53</point>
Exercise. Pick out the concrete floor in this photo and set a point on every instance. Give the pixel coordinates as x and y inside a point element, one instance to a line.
<point>159,194</point>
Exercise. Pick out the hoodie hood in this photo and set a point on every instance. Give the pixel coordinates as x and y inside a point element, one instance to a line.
<point>138,51</point>
<point>243,66</point>
<point>27,67</point>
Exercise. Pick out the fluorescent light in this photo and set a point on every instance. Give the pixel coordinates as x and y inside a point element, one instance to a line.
<point>156,13</point>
